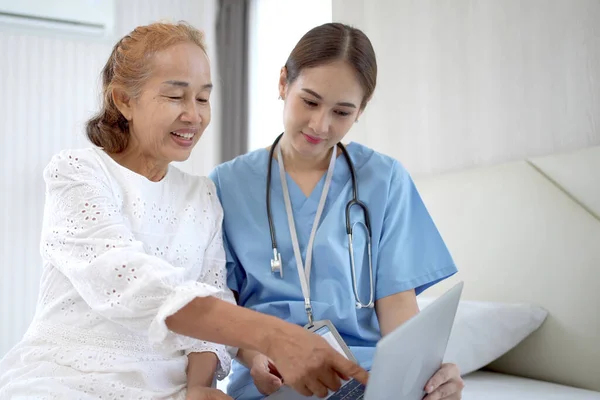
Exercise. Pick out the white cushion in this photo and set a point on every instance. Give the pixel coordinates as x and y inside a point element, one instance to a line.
<point>484,385</point>
<point>484,331</point>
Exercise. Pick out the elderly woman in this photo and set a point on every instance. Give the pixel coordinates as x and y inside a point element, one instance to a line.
<point>133,297</point>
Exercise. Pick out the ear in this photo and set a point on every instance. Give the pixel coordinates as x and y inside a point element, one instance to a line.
<point>283,82</point>
<point>122,102</point>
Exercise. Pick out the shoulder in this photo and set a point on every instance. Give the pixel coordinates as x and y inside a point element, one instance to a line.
<point>76,164</point>
<point>208,193</point>
<point>76,176</point>
<point>209,199</point>
<point>249,163</point>
<point>208,190</point>
<point>88,157</point>
<point>378,166</point>
<point>244,168</point>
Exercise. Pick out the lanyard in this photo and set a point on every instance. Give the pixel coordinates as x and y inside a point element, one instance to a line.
<point>304,270</point>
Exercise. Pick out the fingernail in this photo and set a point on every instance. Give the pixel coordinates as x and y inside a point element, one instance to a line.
<point>429,389</point>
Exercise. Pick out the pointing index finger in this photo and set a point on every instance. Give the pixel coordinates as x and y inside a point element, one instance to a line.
<point>350,369</point>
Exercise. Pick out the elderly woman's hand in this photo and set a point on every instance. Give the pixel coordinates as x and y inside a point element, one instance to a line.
<point>445,384</point>
<point>308,364</point>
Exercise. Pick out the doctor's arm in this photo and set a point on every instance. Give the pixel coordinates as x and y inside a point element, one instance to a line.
<point>393,310</point>
<point>412,256</point>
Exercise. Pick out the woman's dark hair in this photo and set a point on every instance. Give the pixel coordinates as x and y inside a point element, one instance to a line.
<point>333,42</point>
<point>128,68</point>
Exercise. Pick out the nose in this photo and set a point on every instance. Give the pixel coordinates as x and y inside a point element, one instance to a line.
<point>319,122</point>
<point>192,113</point>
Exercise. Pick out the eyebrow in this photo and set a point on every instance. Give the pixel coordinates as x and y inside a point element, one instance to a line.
<point>318,96</point>
<point>186,84</point>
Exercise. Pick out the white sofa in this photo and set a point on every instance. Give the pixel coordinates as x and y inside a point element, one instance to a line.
<point>528,233</point>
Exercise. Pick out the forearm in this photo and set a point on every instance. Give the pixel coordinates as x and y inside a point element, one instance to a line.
<point>217,321</point>
<point>201,369</point>
<point>392,311</point>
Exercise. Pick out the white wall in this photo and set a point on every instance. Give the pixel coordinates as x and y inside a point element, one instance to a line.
<point>275,28</point>
<point>48,88</point>
<point>476,82</point>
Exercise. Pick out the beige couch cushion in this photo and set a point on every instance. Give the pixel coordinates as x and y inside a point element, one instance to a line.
<point>516,237</point>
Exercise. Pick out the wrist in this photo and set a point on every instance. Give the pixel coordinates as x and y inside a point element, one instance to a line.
<point>208,358</point>
<point>201,369</point>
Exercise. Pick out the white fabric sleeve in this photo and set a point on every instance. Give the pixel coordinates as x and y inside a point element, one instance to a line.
<point>214,273</point>
<point>87,238</point>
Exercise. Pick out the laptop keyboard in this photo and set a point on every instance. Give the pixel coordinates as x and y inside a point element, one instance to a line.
<point>353,390</point>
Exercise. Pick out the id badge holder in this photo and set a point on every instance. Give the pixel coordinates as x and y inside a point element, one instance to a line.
<point>327,331</point>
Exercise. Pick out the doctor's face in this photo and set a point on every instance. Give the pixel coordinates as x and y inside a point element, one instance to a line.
<point>320,106</point>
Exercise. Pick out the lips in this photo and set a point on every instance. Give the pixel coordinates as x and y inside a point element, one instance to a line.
<point>184,137</point>
<point>312,139</point>
<point>186,133</point>
<point>188,136</point>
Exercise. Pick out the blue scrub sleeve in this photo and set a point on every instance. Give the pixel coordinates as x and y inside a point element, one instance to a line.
<point>412,253</point>
<point>235,274</point>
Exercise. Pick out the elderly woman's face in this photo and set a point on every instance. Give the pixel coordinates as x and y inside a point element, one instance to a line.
<point>173,110</point>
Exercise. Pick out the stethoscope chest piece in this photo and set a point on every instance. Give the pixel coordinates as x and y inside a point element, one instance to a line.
<point>276,263</point>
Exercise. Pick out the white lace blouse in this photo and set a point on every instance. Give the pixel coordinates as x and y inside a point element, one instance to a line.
<point>121,254</point>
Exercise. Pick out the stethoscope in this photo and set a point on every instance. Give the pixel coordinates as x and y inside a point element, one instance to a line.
<point>276,260</point>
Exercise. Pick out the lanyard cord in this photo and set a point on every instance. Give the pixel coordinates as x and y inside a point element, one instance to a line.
<point>304,268</point>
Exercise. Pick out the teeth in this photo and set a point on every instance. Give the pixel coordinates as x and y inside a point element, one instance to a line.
<point>184,135</point>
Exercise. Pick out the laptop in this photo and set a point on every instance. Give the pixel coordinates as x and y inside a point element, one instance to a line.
<point>404,359</point>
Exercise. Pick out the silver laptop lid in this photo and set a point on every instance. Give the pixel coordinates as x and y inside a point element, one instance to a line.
<point>407,357</point>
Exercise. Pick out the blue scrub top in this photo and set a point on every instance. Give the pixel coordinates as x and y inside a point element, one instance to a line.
<point>408,251</point>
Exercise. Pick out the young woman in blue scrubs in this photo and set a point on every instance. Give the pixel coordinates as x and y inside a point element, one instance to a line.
<point>325,85</point>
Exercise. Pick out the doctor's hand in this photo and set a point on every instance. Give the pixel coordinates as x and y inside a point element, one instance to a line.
<point>308,364</point>
<point>267,378</point>
<point>445,384</point>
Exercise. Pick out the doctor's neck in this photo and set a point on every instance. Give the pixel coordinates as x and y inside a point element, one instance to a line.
<point>297,162</point>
